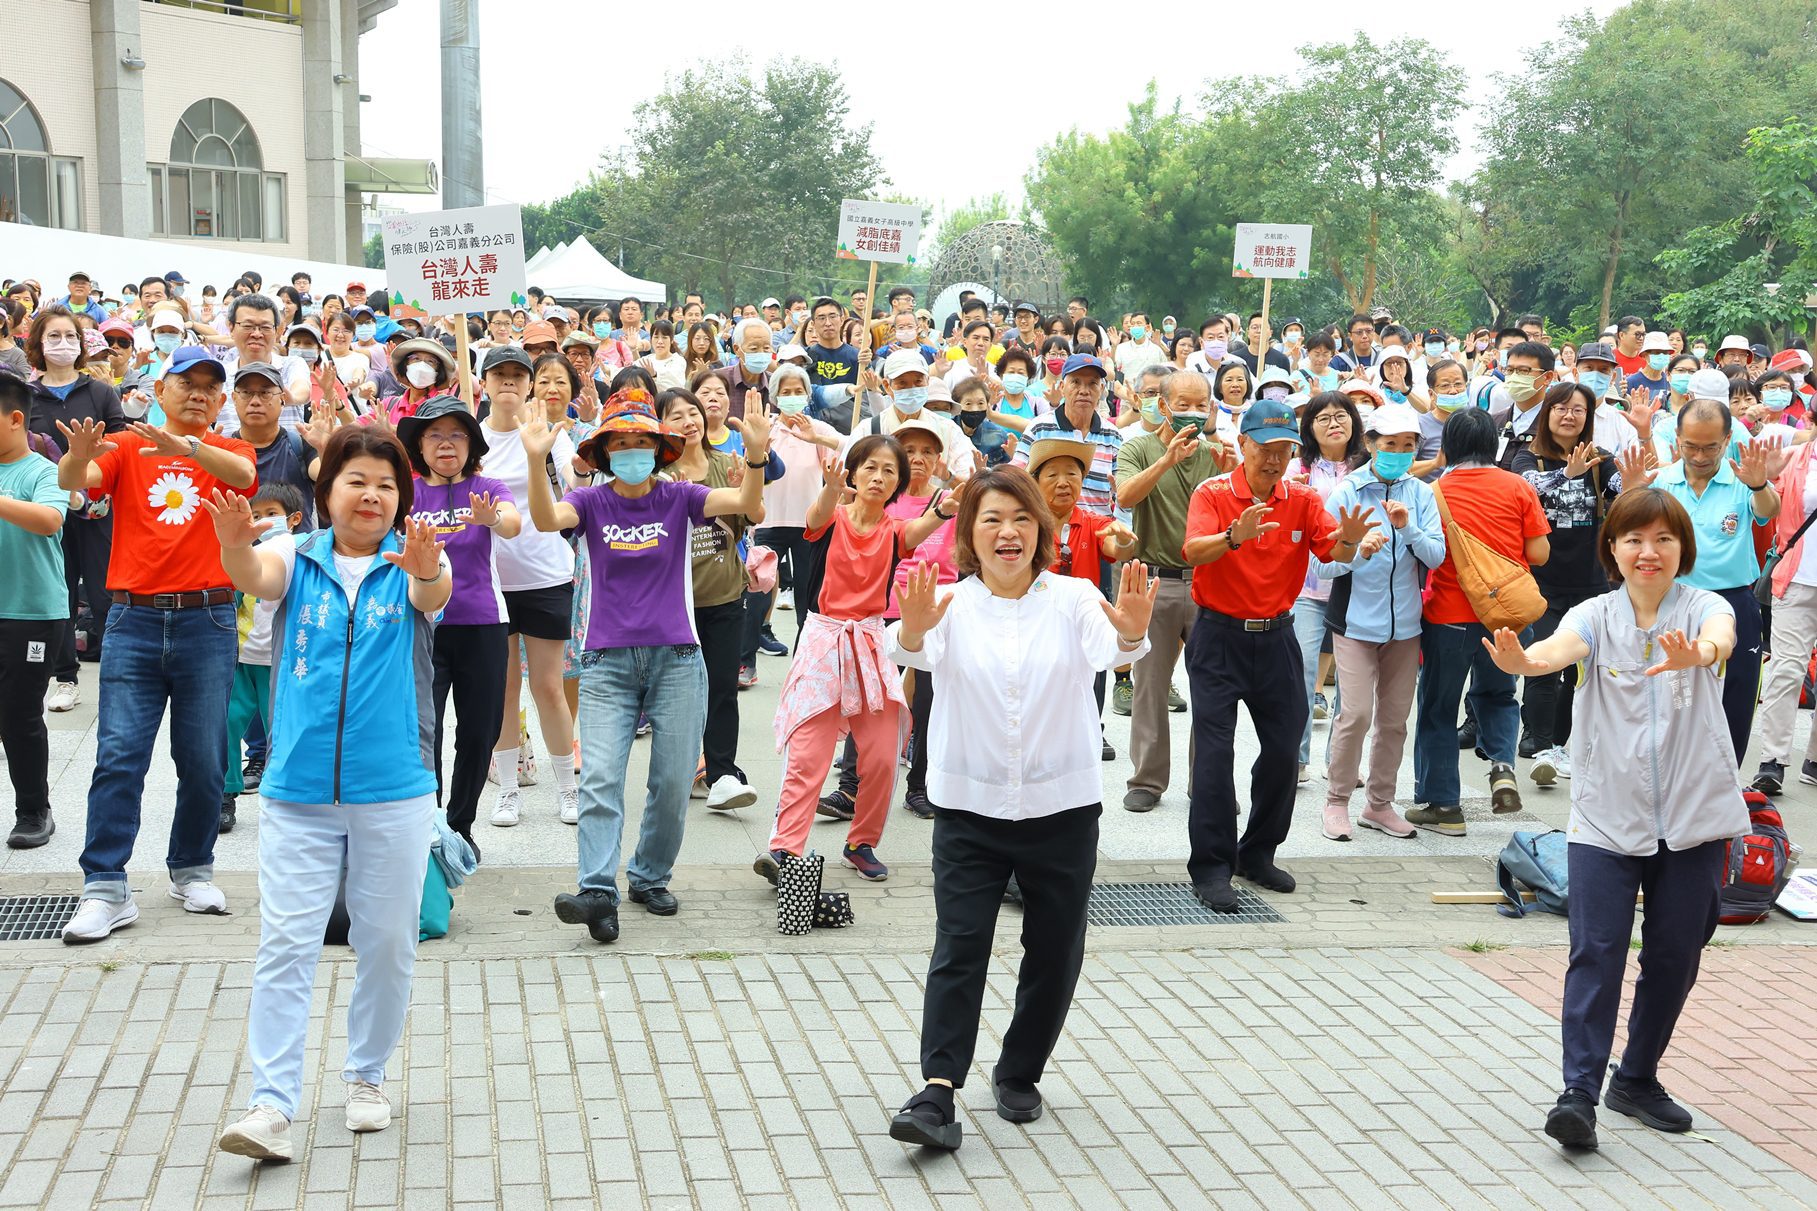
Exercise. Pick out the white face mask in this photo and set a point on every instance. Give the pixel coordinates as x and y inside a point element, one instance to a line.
<point>420,374</point>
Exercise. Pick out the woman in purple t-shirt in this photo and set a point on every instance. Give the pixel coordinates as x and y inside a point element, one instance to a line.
<point>643,651</point>
<point>467,509</point>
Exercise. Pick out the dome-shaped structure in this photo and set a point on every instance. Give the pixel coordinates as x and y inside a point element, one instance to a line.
<point>1006,260</point>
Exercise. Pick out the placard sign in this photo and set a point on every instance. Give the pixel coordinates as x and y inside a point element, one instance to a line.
<point>444,262</point>
<point>879,231</point>
<point>1273,250</point>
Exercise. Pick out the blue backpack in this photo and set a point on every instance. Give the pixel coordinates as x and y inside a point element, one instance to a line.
<point>1537,861</point>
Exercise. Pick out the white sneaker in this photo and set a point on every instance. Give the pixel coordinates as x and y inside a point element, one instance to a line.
<point>95,919</point>
<point>570,809</point>
<point>504,812</point>
<point>264,1135</point>
<point>368,1109</point>
<point>785,599</point>
<point>728,793</point>
<point>1543,771</point>
<point>200,896</point>
<point>63,696</point>
<point>1561,761</point>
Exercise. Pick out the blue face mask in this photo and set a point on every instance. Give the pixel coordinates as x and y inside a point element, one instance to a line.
<point>1015,383</point>
<point>1394,397</point>
<point>1658,361</point>
<point>1152,414</point>
<point>365,332</point>
<point>1595,380</point>
<point>1777,399</point>
<point>910,400</point>
<point>756,363</point>
<point>1680,383</point>
<point>166,342</point>
<point>602,329</point>
<point>1451,403</point>
<point>1391,466</point>
<point>632,466</point>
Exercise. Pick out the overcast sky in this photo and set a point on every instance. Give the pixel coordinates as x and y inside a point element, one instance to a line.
<point>557,90</point>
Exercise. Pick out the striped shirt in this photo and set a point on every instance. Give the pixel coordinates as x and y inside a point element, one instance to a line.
<point>1098,493</point>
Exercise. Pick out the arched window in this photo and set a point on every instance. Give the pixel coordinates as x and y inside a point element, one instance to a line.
<point>36,187</point>
<point>214,186</point>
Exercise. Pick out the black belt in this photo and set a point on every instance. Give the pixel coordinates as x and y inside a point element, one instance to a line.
<point>176,601</point>
<point>1164,573</point>
<point>1249,624</point>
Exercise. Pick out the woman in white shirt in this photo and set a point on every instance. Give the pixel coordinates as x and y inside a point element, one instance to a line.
<point>1013,764</point>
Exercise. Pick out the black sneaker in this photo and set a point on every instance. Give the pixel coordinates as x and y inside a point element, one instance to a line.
<point>252,773</point>
<point>1266,874</point>
<point>1529,746</point>
<point>1572,1122</point>
<point>1018,1101</point>
<point>1216,893</point>
<point>1107,753</point>
<point>659,900</point>
<point>837,806</point>
<point>1807,773</point>
<point>31,829</point>
<point>1647,1101</point>
<point>1771,778</point>
<point>769,645</point>
<point>917,802</point>
<point>927,1119</point>
<point>593,908</point>
<point>1012,892</point>
<point>769,864</point>
<point>229,810</point>
<point>1466,735</point>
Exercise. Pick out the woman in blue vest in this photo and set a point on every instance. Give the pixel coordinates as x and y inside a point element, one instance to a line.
<point>351,774</point>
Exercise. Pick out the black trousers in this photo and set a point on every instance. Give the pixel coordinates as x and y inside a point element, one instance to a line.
<point>921,708</point>
<point>1683,904</point>
<point>470,662</point>
<point>1545,705</point>
<point>1226,666</point>
<point>1741,683</point>
<point>27,647</point>
<point>1053,859</point>
<point>87,546</point>
<point>721,630</point>
<point>804,562</point>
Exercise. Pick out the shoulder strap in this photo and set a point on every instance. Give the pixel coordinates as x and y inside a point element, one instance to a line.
<point>1444,514</point>
<point>1802,527</point>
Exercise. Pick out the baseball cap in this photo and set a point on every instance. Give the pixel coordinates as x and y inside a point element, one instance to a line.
<point>1391,420</point>
<point>1029,307</point>
<point>789,351</point>
<point>901,362</point>
<point>557,315</point>
<point>1081,361</point>
<point>506,355</point>
<point>116,327</point>
<point>389,328</point>
<point>1596,351</point>
<point>1268,421</point>
<point>165,317</point>
<point>189,357</point>
<point>1734,342</point>
<point>362,309</point>
<point>582,339</point>
<point>176,275</point>
<point>772,301</point>
<point>258,370</point>
<point>1760,351</point>
<point>1709,384</point>
<point>1432,334</point>
<point>1656,342</point>
<point>1792,361</point>
<point>361,286</point>
<point>79,276</point>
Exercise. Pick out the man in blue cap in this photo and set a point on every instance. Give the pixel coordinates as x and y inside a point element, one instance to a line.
<point>171,635</point>
<point>1249,535</point>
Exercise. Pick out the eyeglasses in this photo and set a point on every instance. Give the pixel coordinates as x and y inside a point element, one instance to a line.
<point>255,329</point>
<point>1571,410</point>
<point>1333,418</point>
<point>446,439</point>
<point>1713,448</point>
<point>269,395</point>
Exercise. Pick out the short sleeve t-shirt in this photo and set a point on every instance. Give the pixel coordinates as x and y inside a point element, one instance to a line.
<point>1497,508</point>
<point>640,550</point>
<point>718,567</point>
<point>826,366</point>
<point>534,559</point>
<point>860,568</point>
<point>478,599</point>
<point>1159,519</point>
<point>164,541</point>
<point>1076,546</point>
<point>936,549</point>
<point>32,587</point>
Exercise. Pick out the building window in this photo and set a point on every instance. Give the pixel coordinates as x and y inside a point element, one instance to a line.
<point>36,188</point>
<point>214,185</point>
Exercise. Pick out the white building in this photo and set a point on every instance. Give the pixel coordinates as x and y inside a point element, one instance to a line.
<point>235,122</point>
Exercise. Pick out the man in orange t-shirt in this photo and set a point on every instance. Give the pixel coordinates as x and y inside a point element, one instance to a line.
<point>171,636</point>
<point>1249,535</point>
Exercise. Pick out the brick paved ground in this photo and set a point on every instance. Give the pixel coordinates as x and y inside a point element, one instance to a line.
<point>1744,1051</point>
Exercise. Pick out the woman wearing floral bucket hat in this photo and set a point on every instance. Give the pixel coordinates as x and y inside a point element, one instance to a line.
<point>643,651</point>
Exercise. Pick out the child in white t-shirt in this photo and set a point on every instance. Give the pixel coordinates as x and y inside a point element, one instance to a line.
<point>281,504</point>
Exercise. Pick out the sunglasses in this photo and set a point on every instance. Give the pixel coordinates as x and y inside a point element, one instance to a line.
<point>124,343</point>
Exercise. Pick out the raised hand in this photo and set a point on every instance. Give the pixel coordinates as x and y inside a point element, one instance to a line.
<point>1135,601</point>
<point>1397,512</point>
<point>735,477</point>
<point>1250,525</point>
<point>832,476</point>
<point>1636,465</point>
<point>921,613</point>
<point>85,440</point>
<point>1583,457</point>
<point>482,509</point>
<point>941,471</point>
<point>1181,446</point>
<point>538,434</point>
<point>1641,410</point>
<point>319,429</point>
<point>1676,652</point>
<point>1354,524</point>
<point>1224,456</point>
<point>1752,469</point>
<point>1510,656</point>
<point>422,554</point>
<point>587,402</point>
<point>161,443</point>
<point>755,429</point>
<point>235,526</point>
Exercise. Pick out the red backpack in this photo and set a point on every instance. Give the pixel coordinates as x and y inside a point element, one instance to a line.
<point>1756,866</point>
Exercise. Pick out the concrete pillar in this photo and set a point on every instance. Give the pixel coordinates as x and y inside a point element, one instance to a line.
<point>325,187</point>
<point>123,184</point>
<point>350,122</point>
<point>463,164</point>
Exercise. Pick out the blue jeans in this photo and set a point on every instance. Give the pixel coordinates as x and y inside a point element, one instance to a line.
<point>153,658</point>
<point>1309,630</point>
<point>1450,652</point>
<point>669,685</point>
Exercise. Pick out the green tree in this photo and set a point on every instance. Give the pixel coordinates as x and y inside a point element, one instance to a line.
<point>373,254</point>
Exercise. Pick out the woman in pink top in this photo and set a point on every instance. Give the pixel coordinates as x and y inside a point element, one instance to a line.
<point>921,442</point>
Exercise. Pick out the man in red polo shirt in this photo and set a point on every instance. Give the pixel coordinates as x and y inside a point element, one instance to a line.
<point>1249,535</point>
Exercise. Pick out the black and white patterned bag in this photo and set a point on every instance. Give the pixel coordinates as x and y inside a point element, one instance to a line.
<point>798,892</point>
<point>833,910</point>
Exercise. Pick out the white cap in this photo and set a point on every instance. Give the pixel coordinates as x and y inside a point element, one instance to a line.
<point>772,301</point>
<point>1710,384</point>
<point>1389,420</point>
<point>1656,342</point>
<point>165,317</point>
<point>553,314</point>
<point>1734,342</point>
<point>901,362</point>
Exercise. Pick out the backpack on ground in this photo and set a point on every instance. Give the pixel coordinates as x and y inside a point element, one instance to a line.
<point>1540,863</point>
<point>1501,591</point>
<point>1756,866</point>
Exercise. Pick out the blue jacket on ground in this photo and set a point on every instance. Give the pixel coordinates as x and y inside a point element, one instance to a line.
<point>1385,599</point>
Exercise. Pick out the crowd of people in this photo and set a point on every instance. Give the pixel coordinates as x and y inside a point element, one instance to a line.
<point>295,524</point>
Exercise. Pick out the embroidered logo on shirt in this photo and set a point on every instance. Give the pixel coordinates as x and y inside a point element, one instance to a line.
<point>1731,523</point>
<point>633,538</point>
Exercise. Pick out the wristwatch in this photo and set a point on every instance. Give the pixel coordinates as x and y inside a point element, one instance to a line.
<point>757,465</point>
<point>195,445</point>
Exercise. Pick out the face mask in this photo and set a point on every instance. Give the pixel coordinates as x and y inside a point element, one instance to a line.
<point>133,297</point>
<point>1189,420</point>
<point>632,466</point>
<point>309,357</point>
<point>1015,382</point>
<point>1167,326</point>
<point>312,309</point>
<point>971,420</point>
<point>907,336</point>
<point>176,290</point>
<point>1434,348</point>
<point>1778,399</point>
<point>1137,332</point>
<point>910,400</point>
<point>62,353</point>
<point>365,332</point>
<point>1055,365</point>
<point>1215,350</point>
<point>166,342</point>
<point>1274,393</point>
<point>791,405</point>
<point>602,329</point>
<point>1658,361</point>
<point>279,525</point>
<point>1392,466</point>
<point>1292,338</point>
<point>1595,380</point>
<point>1151,412</point>
<point>1680,383</point>
<point>1394,397</point>
<point>420,374</point>
<point>1699,350</point>
<point>800,317</point>
<point>110,308</point>
<point>1522,387</point>
<point>1451,403</point>
<point>756,363</point>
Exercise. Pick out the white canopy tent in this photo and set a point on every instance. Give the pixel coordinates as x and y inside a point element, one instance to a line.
<point>577,273</point>
<point>48,255</point>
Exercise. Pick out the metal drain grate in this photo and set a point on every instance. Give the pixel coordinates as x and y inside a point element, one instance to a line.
<point>1170,904</point>
<point>35,918</point>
